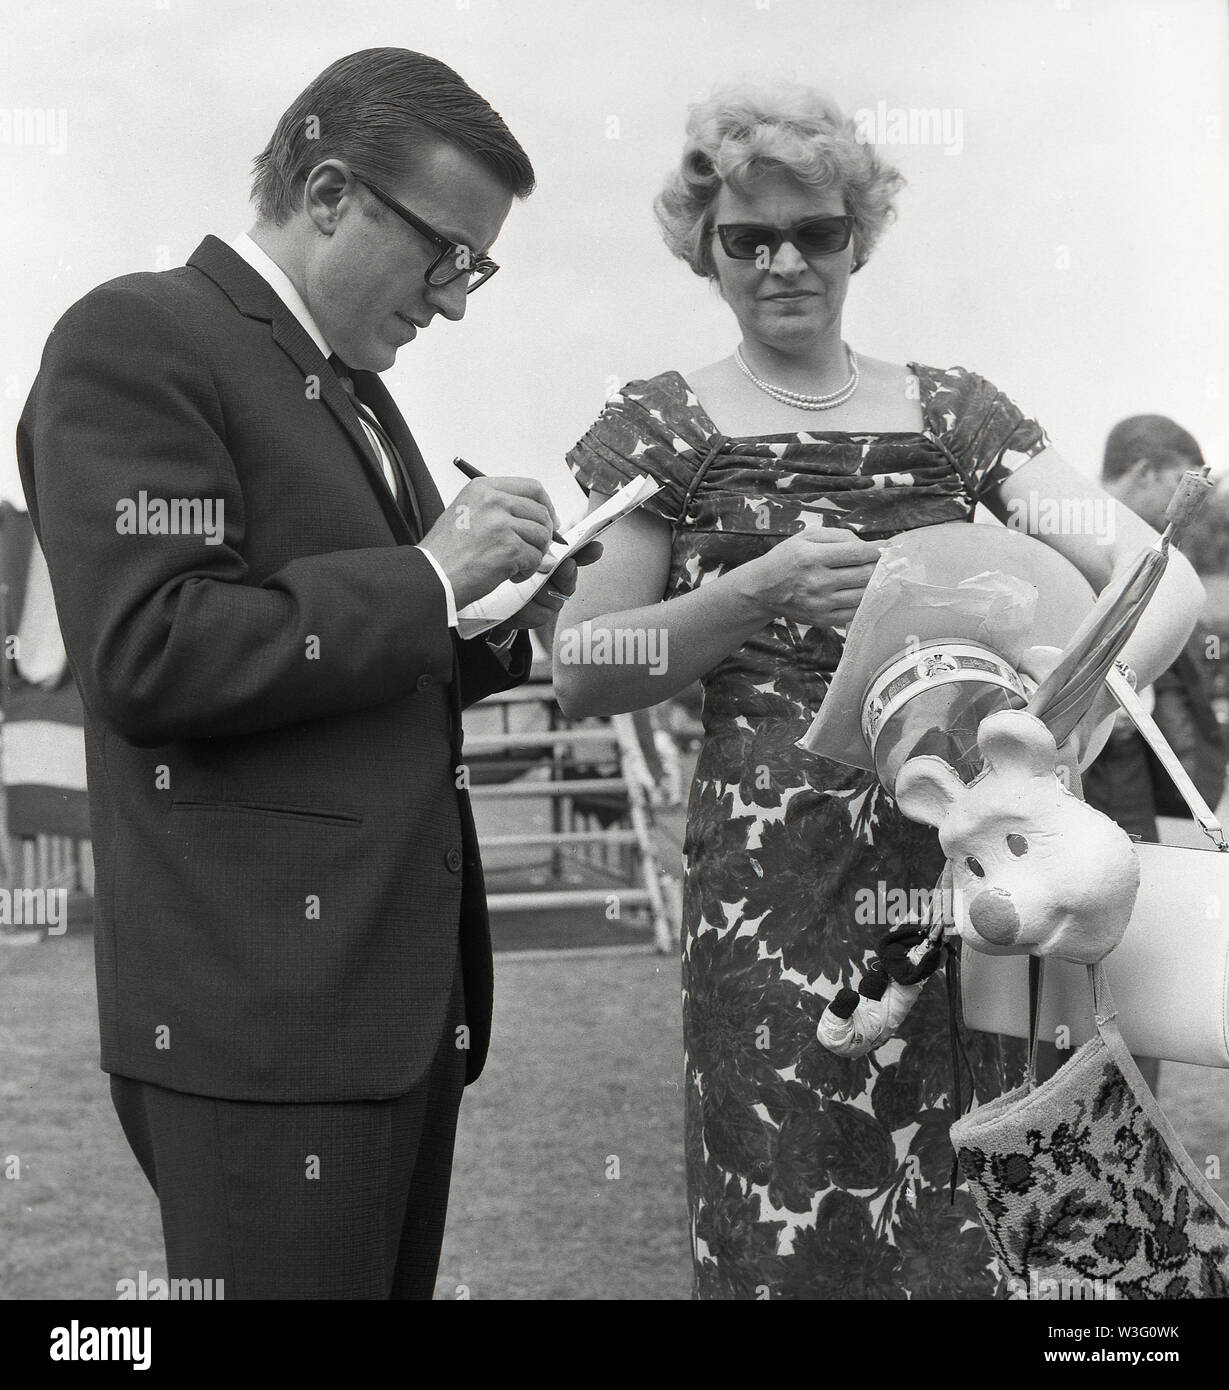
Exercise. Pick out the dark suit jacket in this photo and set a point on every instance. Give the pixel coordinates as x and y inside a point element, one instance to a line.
<point>283,858</point>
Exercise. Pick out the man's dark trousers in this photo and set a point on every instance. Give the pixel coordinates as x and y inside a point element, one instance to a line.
<point>332,1201</point>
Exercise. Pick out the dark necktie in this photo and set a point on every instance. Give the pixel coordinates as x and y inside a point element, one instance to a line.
<point>403,490</point>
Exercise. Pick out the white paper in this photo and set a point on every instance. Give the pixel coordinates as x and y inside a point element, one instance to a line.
<point>509,598</point>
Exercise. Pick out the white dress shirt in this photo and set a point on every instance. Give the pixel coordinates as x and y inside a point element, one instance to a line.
<point>282,286</point>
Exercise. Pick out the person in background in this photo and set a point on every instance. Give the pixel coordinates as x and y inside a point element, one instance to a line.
<point>1145,456</point>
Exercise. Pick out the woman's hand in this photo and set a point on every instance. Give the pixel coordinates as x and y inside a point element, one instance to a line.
<point>817,576</point>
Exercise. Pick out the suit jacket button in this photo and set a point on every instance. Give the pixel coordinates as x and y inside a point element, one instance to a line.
<point>423,682</point>
<point>453,860</point>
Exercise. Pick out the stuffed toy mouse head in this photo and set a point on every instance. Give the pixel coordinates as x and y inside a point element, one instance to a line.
<point>1035,870</point>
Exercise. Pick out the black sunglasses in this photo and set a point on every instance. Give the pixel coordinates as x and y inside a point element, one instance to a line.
<point>454,260</point>
<point>817,236</point>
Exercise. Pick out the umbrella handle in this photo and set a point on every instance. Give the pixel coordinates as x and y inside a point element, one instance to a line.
<point>1187,500</point>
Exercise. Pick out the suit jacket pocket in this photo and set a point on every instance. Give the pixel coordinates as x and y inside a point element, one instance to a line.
<point>310,815</point>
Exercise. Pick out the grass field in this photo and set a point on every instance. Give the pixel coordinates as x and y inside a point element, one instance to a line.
<point>585,1069</point>
<point>583,1083</point>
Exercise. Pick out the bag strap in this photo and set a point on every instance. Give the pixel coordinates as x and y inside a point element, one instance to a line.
<point>1121,690</point>
<point>1106,1015</point>
<point>1103,1011</point>
<point>1035,964</point>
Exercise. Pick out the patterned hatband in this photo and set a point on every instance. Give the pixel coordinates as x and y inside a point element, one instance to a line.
<point>930,664</point>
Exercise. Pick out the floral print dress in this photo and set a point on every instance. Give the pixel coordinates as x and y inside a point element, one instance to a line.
<point>809,1175</point>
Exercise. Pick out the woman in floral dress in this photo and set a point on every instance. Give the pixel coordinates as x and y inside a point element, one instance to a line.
<point>781,470</point>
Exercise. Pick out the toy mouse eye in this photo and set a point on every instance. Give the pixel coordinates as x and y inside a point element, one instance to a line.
<point>1018,845</point>
<point>975,867</point>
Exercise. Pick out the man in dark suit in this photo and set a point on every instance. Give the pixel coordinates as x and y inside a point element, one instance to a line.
<point>258,585</point>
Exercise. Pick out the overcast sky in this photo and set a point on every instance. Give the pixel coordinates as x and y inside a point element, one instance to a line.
<point>1067,238</point>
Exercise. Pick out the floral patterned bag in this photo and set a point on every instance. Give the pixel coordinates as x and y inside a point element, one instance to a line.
<point>1084,1179</point>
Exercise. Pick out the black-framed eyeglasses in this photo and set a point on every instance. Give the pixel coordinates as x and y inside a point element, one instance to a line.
<point>454,262</point>
<point>816,236</point>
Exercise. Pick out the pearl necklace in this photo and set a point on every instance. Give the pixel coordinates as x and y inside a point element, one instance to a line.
<point>796,398</point>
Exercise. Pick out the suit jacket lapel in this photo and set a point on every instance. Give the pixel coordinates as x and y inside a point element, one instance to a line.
<point>254,298</point>
<point>291,337</point>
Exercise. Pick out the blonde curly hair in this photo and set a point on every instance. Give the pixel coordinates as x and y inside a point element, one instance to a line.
<point>743,130</point>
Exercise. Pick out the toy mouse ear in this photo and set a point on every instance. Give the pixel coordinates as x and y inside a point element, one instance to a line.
<point>1011,739</point>
<point>926,788</point>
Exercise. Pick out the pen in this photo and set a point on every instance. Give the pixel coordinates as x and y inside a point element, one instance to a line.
<point>471,472</point>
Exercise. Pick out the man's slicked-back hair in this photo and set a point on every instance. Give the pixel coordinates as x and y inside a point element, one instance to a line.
<point>367,109</point>
<point>1157,438</point>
